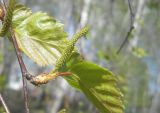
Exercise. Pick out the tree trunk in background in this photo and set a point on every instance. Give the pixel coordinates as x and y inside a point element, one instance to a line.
<point>83,21</point>
<point>85,13</point>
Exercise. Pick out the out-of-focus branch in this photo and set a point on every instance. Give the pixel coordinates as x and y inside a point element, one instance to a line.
<point>4,104</point>
<point>132,19</point>
<point>132,15</point>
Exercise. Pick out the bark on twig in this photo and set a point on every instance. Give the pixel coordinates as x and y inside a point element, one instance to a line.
<point>23,68</point>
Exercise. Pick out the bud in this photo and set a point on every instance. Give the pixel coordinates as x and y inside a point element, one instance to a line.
<point>2,14</point>
<point>43,78</point>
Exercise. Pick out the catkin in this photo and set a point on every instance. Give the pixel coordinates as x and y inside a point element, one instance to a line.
<point>8,18</point>
<point>69,49</point>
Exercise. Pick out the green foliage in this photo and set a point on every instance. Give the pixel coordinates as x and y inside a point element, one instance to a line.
<point>8,18</point>
<point>39,36</point>
<point>99,85</point>
<point>20,14</point>
<point>2,82</point>
<point>2,110</point>
<point>74,59</point>
<point>139,52</point>
<point>153,4</point>
<point>62,111</point>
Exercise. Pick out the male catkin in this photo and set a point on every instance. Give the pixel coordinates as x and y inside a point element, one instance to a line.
<point>68,51</point>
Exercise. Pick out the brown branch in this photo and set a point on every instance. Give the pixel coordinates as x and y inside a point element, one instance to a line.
<point>23,68</point>
<point>19,56</point>
<point>4,104</point>
<point>132,19</point>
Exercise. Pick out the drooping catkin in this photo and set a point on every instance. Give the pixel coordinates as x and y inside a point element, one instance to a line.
<point>69,49</point>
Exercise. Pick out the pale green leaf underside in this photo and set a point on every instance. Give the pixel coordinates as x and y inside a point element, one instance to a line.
<point>39,36</point>
<point>99,85</point>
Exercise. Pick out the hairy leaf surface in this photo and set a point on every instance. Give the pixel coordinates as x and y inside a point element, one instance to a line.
<point>39,36</point>
<point>99,85</point>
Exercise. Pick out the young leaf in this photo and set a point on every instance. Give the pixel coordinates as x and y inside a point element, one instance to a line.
<point>20,14</point>
<point>99,85</point>
<point>38,35</point>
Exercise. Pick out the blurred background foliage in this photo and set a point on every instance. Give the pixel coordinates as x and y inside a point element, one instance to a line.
<point>137,65</point>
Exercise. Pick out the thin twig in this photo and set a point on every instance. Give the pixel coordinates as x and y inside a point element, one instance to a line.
<point>132,19</point>
<point>4,104</point>
<point>126,39</point>
<point>23,68</point>
<point>131,14</point>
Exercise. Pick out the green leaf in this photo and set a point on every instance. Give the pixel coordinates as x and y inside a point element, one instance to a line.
<point>39,36</point>
<point>139,52</point>
<point>72,80</point>
<point>62,111</point>
<point>20,14</point>
<point>99,85</point>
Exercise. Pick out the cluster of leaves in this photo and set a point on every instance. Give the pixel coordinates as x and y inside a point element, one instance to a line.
<point>43,40</point>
